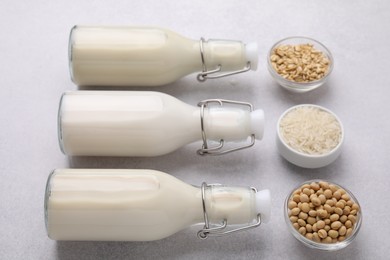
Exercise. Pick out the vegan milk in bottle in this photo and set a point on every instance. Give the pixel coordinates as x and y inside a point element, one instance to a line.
<point>144,205</point>
<point>144,123</point>
<point>148,56</point>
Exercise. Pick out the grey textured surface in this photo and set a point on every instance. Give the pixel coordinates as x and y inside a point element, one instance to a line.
<point>34,73</point>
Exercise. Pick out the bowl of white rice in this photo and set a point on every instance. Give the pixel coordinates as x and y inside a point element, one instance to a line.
<point>309,136</point>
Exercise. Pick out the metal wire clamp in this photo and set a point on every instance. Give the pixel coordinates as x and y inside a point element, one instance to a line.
<point>212,74</point>
<point>220,230</point>
<point>217,150</point>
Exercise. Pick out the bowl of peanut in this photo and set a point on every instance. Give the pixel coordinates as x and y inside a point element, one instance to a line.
<point>323,215</point>
<point>300,64</point>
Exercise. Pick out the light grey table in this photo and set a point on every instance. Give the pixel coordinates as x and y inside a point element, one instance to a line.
<point>34,73</point>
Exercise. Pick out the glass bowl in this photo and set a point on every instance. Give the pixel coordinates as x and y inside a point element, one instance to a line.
<point>322,245</point>
<point>300,87</point>
<point>303,159</point>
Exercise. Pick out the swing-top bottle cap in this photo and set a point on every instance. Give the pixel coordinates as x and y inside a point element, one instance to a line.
<point>229,125</point>
<point>257,123</point>
<point>252,54</point>
<point>263,204</point>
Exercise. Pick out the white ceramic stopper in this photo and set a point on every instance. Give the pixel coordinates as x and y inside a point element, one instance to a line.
<point>257,123</point>
<point>263,204</point>
<point>252,54</point>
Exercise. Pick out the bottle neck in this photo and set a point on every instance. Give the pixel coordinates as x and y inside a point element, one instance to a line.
<point>235,205</point>
<point>229,55</point>
<point>227,123</point>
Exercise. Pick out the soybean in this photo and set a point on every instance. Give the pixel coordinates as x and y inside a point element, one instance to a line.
<point>305,207</point>
<point>316,201</point>
<point>311,220</point>
<point>316,237</point>
<point>320,224</point>
<point>336,225</point>
<point>355,206</point>
<point>328,193</point>
<point>333,233</point>
<point>301,222</point>
<point>302,215</point>
<point>327,240</point>
<point>342,231</point>
<point>295,211</point>
<point>292,204</point>
<point>322,198</point>
<point>304,198</point>
<point>313,213</point>
<point>338,211</point>
<point>322,233</point>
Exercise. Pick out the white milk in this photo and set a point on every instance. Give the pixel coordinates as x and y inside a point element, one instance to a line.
<point>143,123</point>
<point>137,205</point>
<point>147,56</point>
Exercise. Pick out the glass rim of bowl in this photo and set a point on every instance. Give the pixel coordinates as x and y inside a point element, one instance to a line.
<point>323,246</point>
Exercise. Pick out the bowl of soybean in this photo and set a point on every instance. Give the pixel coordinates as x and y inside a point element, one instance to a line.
<point>323,215</point>
<point>299,64</point>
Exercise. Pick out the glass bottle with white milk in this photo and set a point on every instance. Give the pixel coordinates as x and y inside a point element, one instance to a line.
<point>146,123</point>
<point>145,205</point>
<point>149,56</point>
